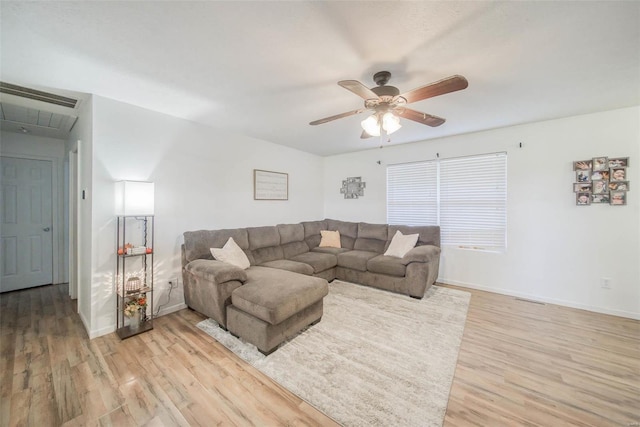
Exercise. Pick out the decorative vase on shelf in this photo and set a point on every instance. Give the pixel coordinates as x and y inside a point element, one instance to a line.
<point>134,321</point>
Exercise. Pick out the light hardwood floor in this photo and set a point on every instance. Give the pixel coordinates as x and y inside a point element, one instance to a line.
<point>520,363</point>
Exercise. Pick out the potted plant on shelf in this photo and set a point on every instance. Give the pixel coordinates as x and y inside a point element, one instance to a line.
<point>133,311</point>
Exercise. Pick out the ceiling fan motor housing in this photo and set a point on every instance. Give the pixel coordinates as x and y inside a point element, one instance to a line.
<point>381,77</point>
<point>386,91</point>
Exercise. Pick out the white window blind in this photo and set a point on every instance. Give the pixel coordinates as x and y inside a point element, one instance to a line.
<point>473,201</point>
<point>466,196</point>
<point>412,193</point>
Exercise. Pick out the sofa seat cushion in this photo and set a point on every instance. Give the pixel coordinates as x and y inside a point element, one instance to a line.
<point>332,251</point>
<point>275,295</point>
<point>216,271</point>
<point>355,260</point>
<point>317,260</point>
<point>391,266</point>
<point>285,264</point>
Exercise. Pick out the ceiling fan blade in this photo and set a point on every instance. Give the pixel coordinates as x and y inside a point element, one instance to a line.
<point>337,116</point>
<point>365,135</point>
<point>358,88</point>
<point>450,84</point>
<point>417,116</point>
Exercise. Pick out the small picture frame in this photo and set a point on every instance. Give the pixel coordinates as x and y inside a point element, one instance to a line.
<point>600,175</point>
<point>619,186</point>
<point>600,163</point>
<point>618,198</point>
<point>581,165</point>
<point>599,186</point>
<point>583,175</point>
<point>619,162</point>
<point>581,187</point>
<point>583,198</point>
<point>600,198</point>
<point>618,174</point>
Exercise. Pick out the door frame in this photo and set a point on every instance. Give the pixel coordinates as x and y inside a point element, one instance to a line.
<point>57,210</point>
<point>73,204</point>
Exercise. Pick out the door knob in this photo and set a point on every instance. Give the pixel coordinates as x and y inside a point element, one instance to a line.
<point>46,229</point>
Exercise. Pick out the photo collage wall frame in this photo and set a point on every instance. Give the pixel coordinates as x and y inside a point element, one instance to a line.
<point>353,187</point>
<point>601,180</point>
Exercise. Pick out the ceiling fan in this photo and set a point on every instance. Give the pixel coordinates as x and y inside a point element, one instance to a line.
<point>388,105</point>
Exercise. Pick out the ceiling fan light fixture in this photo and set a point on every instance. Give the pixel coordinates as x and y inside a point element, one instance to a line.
<point>390,123</point>
<point>371,125</point>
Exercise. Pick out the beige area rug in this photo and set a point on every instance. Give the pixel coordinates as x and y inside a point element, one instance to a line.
<point>376,358</point>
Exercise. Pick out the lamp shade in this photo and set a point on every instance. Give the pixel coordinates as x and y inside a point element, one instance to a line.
<point>134,198</point>
<point>390,123</point>
<point>371,125</point>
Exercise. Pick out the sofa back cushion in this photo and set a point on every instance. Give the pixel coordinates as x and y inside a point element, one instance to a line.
<point>294,248</point>
<point>263,237</point>
<point>264,243</point>
<point>198,244</point>
<point>371,237</point>
<point>290,233</point>
<point>428,234</point>
<point>312,232</point>
<point>348,231</point>
<point>292,239</point>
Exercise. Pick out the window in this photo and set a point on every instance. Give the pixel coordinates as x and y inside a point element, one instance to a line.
<point>466,196</point>
<point>412,193</point>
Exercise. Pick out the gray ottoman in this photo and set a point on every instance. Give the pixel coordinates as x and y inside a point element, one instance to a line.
<point>274,305</point>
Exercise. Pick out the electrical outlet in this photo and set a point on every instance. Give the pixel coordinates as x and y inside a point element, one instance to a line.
<point>173,282</point>
<point>605,282</point>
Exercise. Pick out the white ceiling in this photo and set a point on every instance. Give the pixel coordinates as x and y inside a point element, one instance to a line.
<point>266,69</point>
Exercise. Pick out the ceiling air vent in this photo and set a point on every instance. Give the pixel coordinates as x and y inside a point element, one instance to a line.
<point>37,95</point>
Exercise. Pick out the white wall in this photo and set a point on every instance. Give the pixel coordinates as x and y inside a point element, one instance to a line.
<point>203,180</point>
<point>557,251</point>
<point>41,148</point>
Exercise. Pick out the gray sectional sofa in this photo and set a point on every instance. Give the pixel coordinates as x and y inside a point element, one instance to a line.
<point>281,292</point>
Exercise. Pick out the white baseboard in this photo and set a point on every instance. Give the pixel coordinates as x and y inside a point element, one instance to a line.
<point>602,310</point>
<point>172,309</point>
<point>103,331</point>
<point>86,324</point>
<point>95,333</point>
<point>109,329</point>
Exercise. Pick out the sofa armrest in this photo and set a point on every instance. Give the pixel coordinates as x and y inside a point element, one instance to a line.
<point>216,271</point>
<point>424,253</point>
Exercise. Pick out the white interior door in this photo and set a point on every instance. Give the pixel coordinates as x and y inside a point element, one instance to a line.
<point>27,243</point>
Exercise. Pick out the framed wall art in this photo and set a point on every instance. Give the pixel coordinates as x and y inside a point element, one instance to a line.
<point>353,187</point>
<point>618,197</point>
<point>601,180</point>
<point>583,175</point>
<point>599,175</point>
<point>600,198</point>
<point>582,165</point>
<point>600,163</point>
<point>619,186</point>
<point>619,162</point>
<point>581,186</point>
<point>618,174</point>
<point>583,199</point>
<point>269,185</point>
<point>600,186</point>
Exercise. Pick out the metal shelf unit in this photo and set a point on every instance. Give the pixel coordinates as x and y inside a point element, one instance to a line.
<point>137,267</point>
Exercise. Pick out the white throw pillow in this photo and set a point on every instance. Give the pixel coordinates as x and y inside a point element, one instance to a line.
<point>232,254</point>
<point>330,239</point>
<point>401,244</point>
